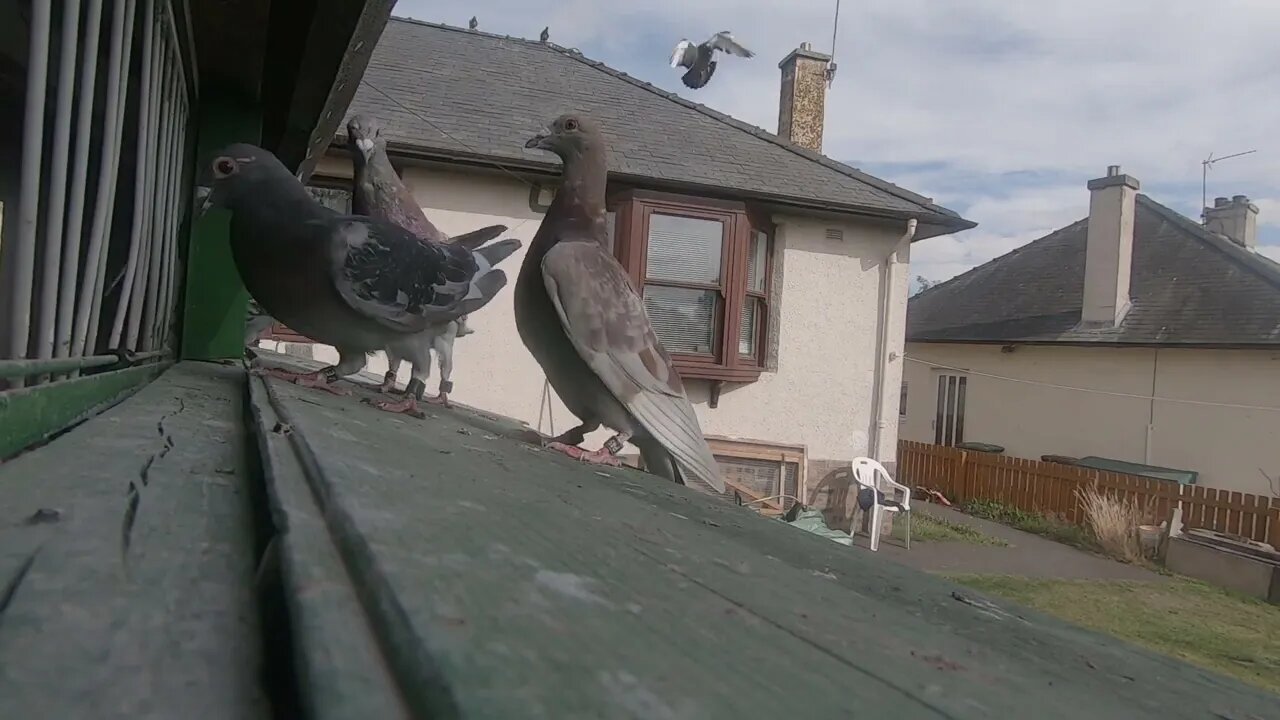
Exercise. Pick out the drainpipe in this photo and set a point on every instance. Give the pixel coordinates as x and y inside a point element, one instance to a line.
<point>885,304</point>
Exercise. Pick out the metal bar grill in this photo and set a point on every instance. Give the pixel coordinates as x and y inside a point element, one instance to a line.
<point>92,263</point>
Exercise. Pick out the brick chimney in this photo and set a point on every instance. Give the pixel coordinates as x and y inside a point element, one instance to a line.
<point>1109,249</point>
<point>803,105</point>
<point>1236,218</point>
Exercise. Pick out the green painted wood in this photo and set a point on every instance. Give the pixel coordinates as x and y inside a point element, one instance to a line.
<point>537,587</point>
<point>216,302</point>
<point>340,669</point>
<point>165,624</point>
<point>29,415</point>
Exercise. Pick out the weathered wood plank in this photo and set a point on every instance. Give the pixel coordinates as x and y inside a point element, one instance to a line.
<point>539,588</point>
<point>139,602</point>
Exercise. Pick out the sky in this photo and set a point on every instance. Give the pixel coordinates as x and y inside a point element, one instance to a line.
<point>998,109</point>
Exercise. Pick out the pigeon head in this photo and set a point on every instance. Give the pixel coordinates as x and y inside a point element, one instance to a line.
<point>225,177</point>
<point>365,132</point>
<point>567,136</point>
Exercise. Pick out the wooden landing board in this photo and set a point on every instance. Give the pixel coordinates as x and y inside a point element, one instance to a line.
<point>127,549</point>
<point>501,581</point>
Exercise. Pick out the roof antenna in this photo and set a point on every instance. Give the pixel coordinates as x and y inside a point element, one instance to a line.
<point>1204,180</point>
<point>831,65</point>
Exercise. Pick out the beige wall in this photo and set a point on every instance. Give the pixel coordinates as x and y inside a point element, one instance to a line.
<point>1226,446</point>
<point>820,397</point>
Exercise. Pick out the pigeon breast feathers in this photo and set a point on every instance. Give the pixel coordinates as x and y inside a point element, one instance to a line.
<point>605,321</point>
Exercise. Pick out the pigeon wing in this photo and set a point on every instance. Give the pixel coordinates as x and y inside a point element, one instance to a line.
<point>386,274</point>
<point>724,41</point>
<point>605,320</point>
<point>684,55</point>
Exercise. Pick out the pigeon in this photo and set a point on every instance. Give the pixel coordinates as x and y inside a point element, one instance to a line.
<point>582,320</point>
<point>353,282</point>
<point>546,34</point>
<point>698,58</point>
<point>473,23</point>
<point>379,193</point>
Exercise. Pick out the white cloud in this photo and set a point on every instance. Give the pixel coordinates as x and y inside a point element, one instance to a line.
<point>983,87</point>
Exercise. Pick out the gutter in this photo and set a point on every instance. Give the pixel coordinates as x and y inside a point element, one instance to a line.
<point>885,305</point>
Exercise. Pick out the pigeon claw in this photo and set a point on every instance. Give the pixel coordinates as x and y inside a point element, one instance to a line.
<point>442,400</point>
<point>594,457</point>
<point>388,385</point>
<point>320,382</point>
<point>407,406</point>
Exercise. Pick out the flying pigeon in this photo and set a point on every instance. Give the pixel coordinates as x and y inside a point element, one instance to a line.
<point>356,283</point>
<point>473,23</point>
<point>546,34</point>
<point>584,323</point>
<point>699,58</point>
<point>379,193</point>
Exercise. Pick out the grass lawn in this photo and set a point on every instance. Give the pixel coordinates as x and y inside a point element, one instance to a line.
<point>930,529</point>
<point>1190,620</point>
<point>1053,528</point>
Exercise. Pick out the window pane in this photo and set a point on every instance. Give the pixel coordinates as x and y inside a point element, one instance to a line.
<point>683,318</point>
<point>684,249</point>
<point>747,340</point>
<point>757,261</point>
<point>758,477</point>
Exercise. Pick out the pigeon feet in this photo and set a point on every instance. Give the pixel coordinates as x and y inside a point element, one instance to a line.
<point>407,406</point>
<point>388,385</point>
<point>442,400</point>
<point>595,457</point>
<point>319,379</point>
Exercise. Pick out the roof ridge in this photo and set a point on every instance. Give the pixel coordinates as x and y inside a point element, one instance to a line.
<point>1249,259</point>
<point>998,258</point>
<point>842,168</point>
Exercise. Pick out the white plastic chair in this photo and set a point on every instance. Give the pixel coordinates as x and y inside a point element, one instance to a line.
<point>871,475</point>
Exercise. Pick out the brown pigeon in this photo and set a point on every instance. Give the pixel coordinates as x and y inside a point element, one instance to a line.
<point>584,323</point>
<point>344,280</point>
<point>379,193</point>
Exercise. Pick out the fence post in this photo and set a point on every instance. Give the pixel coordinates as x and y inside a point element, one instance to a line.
<point>1273,531</point>
<point>962,480</point>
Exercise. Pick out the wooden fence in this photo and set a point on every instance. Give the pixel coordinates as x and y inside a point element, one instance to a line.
<point>1051,488</point>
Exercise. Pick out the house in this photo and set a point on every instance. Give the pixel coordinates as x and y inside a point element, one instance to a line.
<point>1135,334</point>
<point>775,276</point>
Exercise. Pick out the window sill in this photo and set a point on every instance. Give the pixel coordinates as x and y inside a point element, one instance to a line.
<point>707,371</point>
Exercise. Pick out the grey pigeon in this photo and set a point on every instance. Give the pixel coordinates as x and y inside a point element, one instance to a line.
<point>473,23</point>
<point>379,193</point>
<point>546,34</point>
<point>356,283</point>
<point>584,323</point>
<point>700,59</point>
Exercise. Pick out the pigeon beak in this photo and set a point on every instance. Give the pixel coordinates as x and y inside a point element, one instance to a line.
<point>365,145</point>
<point>204,198</point>
<point>537,140</point>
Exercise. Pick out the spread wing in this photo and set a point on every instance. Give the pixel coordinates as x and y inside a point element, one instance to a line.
<point>607,324</point>
<point>386,274</point>
<point>724,41</point>
<point>684,55</point>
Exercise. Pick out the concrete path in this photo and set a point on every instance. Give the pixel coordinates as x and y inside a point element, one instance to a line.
<point>1026,555</point>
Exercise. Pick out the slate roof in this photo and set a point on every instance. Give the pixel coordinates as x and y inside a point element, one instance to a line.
<point>1188,287</point>
<point>490,93</point>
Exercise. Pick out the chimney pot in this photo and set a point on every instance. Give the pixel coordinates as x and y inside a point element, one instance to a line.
<point>1113,170</point>
<point>803,97</point>
<point>1236,219</point>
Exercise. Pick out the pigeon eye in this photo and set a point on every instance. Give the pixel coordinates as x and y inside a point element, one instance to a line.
<point>570,124</point>
<point>223,167</point>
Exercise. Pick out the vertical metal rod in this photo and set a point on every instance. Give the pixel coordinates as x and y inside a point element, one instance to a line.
<point>117,92</point>
<point>79,181</point>
<point>151,306</point>
<point>181,201</point>
<point>57,203</point>
<point>141,178</point>
<point>163,199</point>
<point>24,255</point>
<point>138,306</point>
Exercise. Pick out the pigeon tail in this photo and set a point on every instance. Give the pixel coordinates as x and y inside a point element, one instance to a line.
<point>476,238</point>
<point>484,288</point>
<point>499,251</point>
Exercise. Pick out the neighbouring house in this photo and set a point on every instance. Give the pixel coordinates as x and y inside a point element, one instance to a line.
<point>1135,334</point>
<point>775,276</point>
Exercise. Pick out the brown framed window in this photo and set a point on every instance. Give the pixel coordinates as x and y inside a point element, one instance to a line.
<point>703,268</point>
<point>767,476</point>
